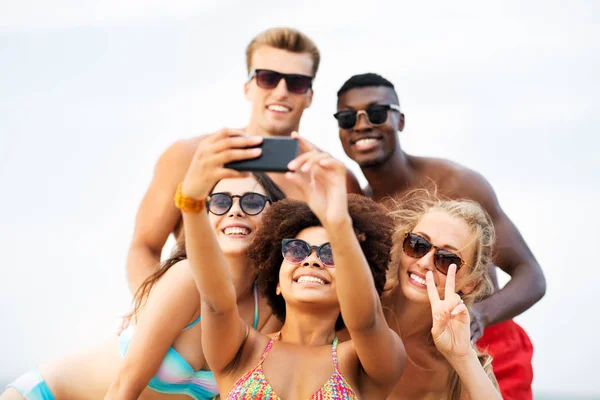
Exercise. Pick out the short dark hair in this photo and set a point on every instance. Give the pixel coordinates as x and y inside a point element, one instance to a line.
<point>286,218</point>
<point>365,80</point>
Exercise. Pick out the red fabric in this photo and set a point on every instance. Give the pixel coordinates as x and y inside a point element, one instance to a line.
<point>512,350</point>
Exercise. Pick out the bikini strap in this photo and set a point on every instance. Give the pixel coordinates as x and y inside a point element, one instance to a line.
<point>194,322</point>
<point>334,353</point>
<point>268,348</point>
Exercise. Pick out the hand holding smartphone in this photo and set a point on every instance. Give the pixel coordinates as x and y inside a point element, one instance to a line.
<point>277,152</point>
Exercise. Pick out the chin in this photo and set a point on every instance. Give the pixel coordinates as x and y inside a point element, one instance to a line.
<point>413,294</point>
<point>234,249</point>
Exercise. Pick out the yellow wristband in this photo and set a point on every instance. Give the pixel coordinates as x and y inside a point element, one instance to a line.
<point>188,204</point>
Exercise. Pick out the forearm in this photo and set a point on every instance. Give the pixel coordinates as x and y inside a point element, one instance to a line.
<point>208,264</point>
<point>473,377</point>
<point>142,261</point>
<point>520,293</point>
<point>359,302</point>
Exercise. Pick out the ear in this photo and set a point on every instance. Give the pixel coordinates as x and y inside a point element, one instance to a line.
<point>308,100</point>
<point>469,287</point>
<point>401,122</point>
<point>278,290</point>
<point>247,91</point>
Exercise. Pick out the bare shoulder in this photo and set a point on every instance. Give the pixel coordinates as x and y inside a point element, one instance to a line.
<point>179,279</point>
<point>456,181</point>
<point>180,150</point>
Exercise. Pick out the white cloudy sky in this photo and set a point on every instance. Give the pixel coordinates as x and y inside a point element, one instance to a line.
<point>92,92</point>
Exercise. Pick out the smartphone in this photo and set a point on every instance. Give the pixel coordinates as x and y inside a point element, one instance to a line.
<point>277,152</point>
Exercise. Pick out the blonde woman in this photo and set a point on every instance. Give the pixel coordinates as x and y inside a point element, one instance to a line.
<point>441,249</point>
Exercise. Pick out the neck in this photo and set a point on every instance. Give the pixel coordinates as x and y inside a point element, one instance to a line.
<point>309,327</point>
<point>393,176</point>
<point>254,128</point>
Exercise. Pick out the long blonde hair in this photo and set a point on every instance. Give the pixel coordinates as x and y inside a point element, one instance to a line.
<point>408,211</point>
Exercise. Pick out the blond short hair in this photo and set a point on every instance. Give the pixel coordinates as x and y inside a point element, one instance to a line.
<point>288,39</point>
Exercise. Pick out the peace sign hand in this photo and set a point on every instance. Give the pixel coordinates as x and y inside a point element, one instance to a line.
<point>451,322</point>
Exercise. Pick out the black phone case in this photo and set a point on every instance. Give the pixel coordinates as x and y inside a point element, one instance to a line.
<point>276,154</point>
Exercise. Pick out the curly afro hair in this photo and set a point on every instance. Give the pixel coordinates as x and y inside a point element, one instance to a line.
<point>286,218</point>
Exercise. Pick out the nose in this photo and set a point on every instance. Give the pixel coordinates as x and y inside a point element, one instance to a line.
<point>362,122</point>
<point>281,90</point>
<point>235,210</point>
<point>313,260</point>
<point>426,262</point>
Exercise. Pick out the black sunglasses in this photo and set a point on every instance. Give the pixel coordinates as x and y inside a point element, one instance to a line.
<point>267,79</point>
<point>297,250</point>
<point>376,114</point>
<point>417,246</point>
<point>251,203</point>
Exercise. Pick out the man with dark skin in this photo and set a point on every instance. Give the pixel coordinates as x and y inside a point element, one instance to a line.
<point>371,139</point>
<point>277,106</point>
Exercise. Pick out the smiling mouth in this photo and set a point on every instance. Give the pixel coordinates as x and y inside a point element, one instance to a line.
<point>279,108</point>
<point>310,279</point>
<point>366,143</point>
<point>236,231</point>
<point>417,279</point>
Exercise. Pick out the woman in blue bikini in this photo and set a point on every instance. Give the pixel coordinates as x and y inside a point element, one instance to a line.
<point>160,356</point>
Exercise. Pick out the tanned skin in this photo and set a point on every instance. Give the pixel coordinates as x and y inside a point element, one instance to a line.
<point>157,216</point>
<point>391,172</point>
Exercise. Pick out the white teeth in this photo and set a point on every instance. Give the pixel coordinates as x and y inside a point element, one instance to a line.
<point>418,279</point>
<point>276,107</point>
<point>314,279</point>
<point>365,142</point>
<point>236,230</point>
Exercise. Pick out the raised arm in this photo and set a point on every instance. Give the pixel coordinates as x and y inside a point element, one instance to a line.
<point>223,331</point>
<point>511,254</point>
<point>322,180</point>
<point>157,217</point>
<point>452,337</point>
<point>172,304</point>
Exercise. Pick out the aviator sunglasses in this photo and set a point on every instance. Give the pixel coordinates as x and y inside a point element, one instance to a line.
<point>377,114</point>
<point>267,79</point>
<point>251,203</point>
<point>417,246</point>
<point>297,250</point>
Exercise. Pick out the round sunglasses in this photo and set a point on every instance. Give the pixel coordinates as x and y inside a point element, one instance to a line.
<point>251,203</point>
<point>377,114</point>
<point>417,246</point>
<point>267,79</point>
<point>297,250</point>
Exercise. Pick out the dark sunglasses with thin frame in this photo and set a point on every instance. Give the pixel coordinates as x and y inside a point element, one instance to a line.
<point>251,203</point>
<point>267,79</point>
<point>297,250</point>
<point>417,246</point>
<point>377,114</point>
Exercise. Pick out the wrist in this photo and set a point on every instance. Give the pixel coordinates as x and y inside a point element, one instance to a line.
<point>338,223</point>
<point>461,361</point>
<point>189,203</point>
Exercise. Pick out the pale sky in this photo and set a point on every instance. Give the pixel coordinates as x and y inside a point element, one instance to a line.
<point>92,92</point>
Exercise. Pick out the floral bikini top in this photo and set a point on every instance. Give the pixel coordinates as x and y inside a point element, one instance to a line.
<point>254,385</point>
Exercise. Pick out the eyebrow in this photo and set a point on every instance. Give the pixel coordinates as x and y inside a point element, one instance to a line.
<point>445,246</point>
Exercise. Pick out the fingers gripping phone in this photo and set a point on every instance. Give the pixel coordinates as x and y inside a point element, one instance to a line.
<point>276,154</point>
